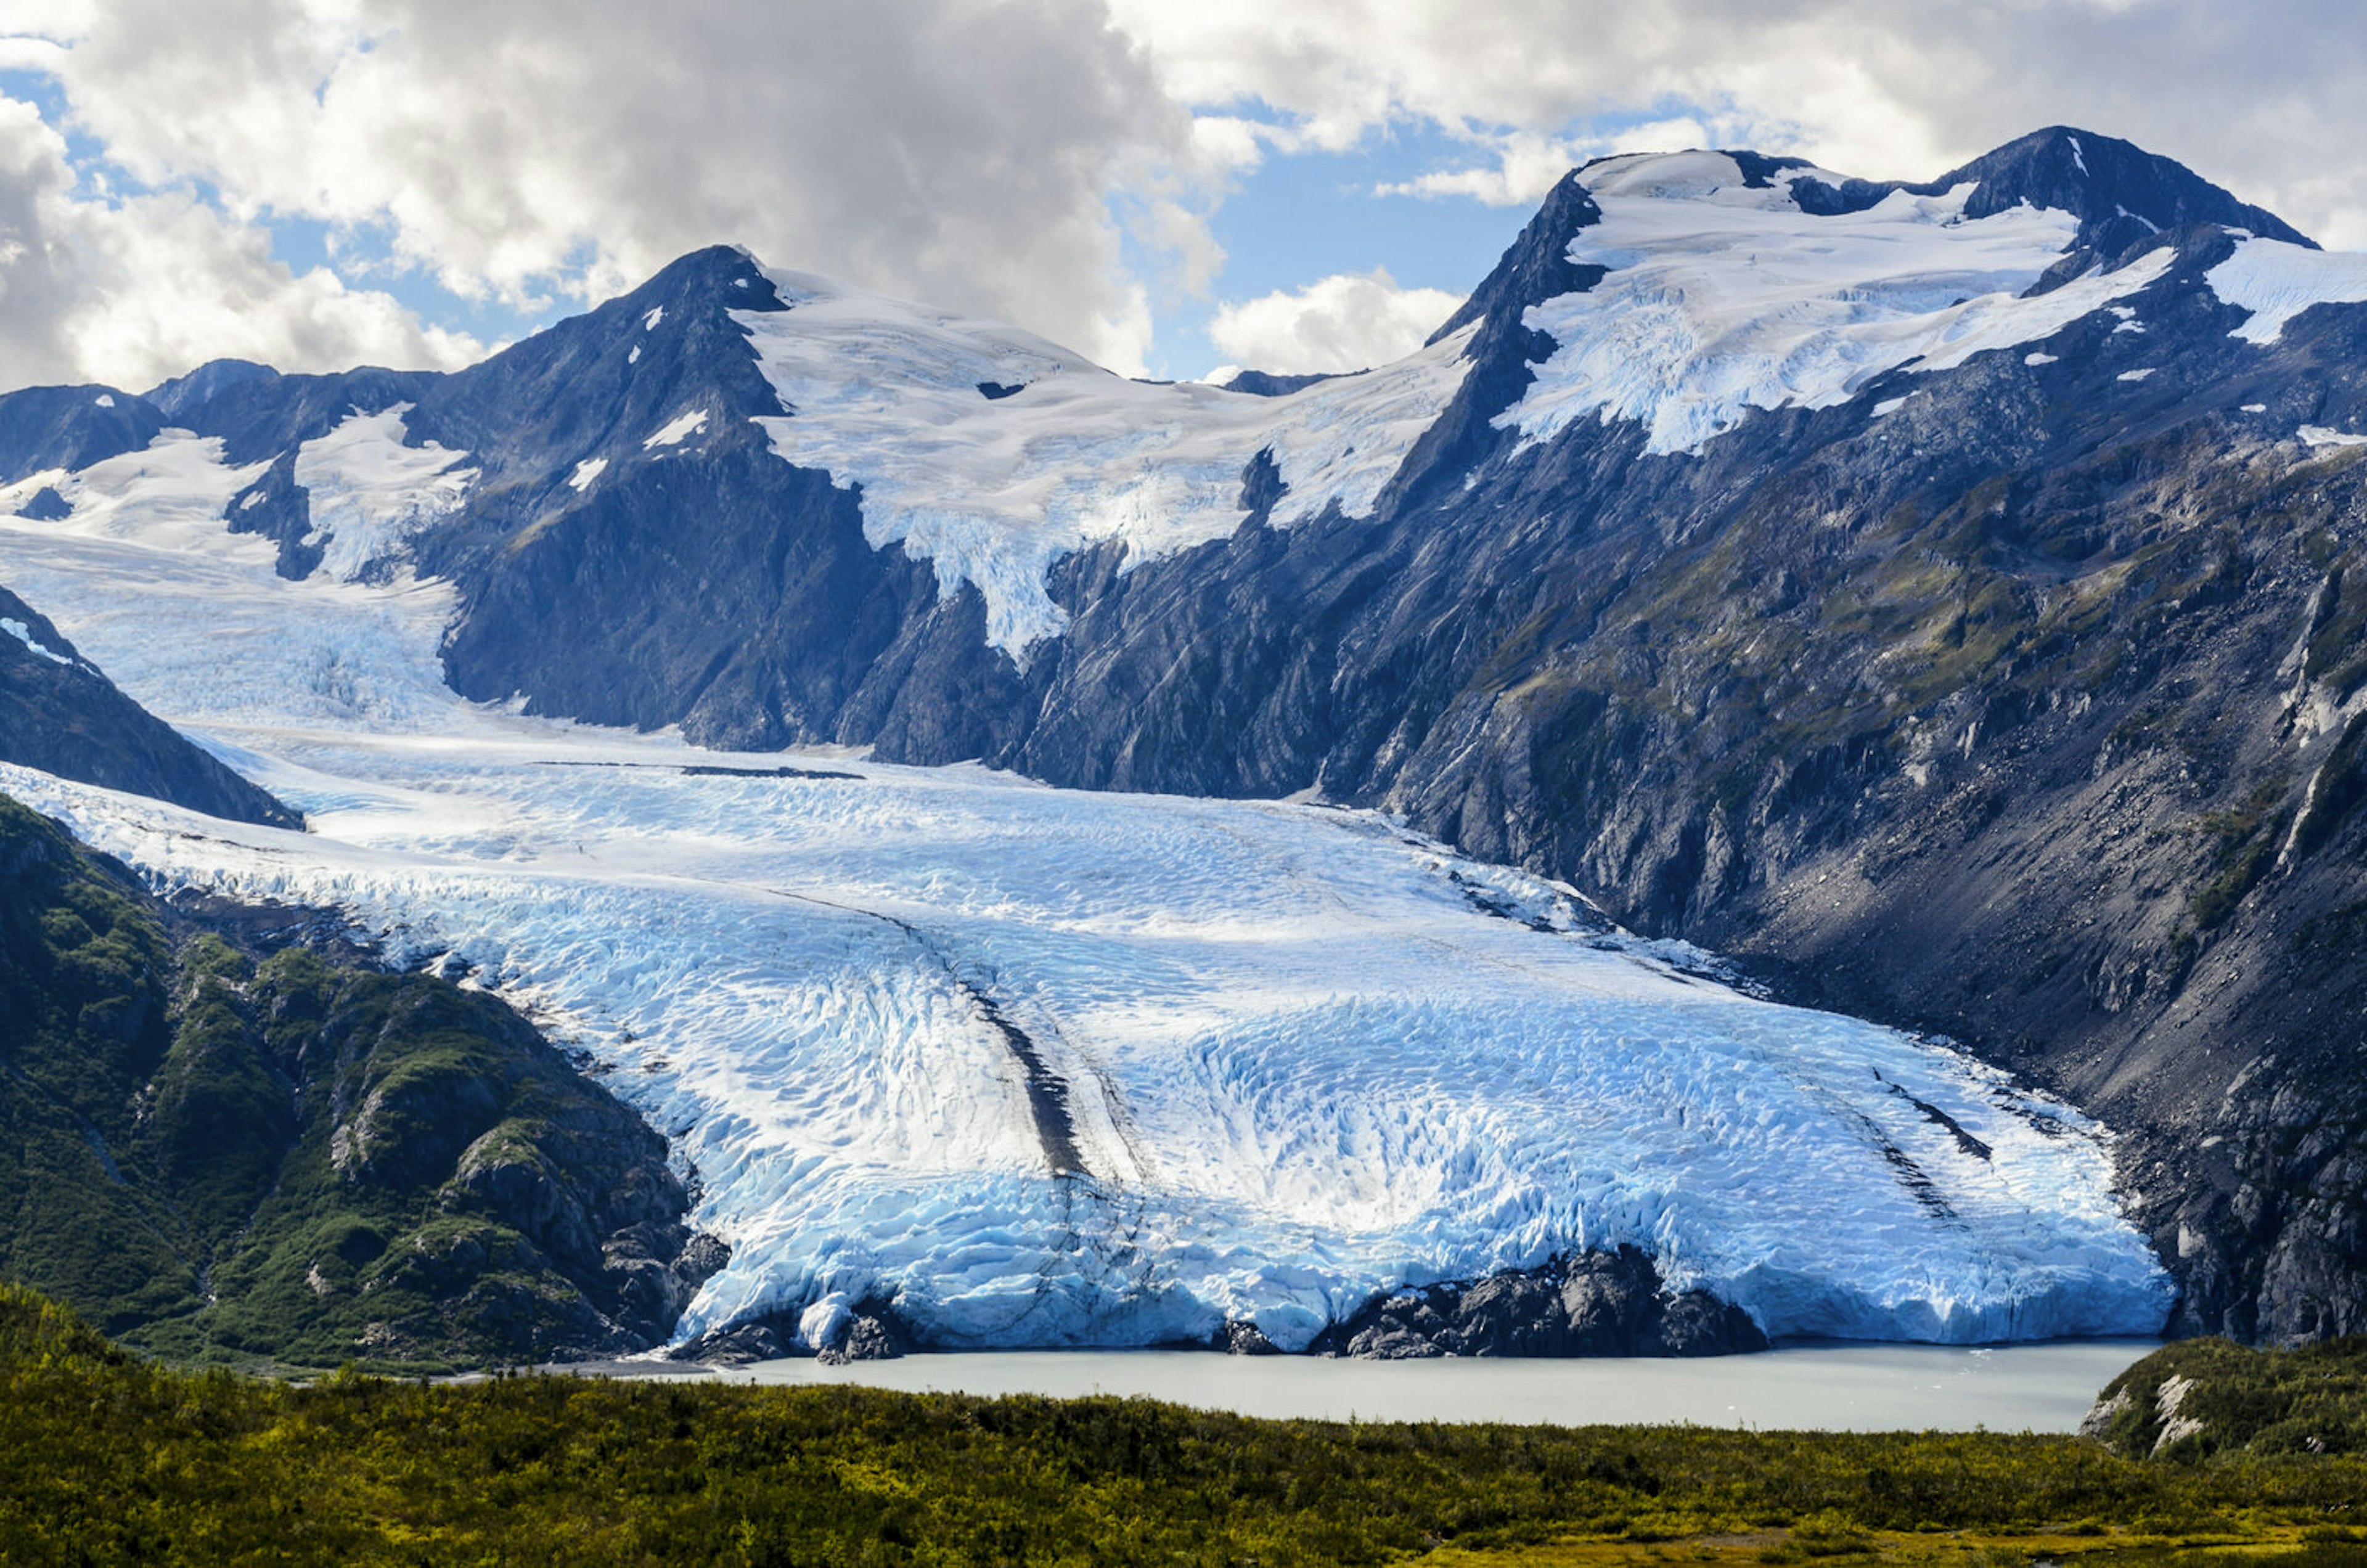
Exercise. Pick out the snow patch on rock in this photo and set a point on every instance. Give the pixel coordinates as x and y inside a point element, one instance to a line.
<point>370,492</point>
<point>2277,281</point>
<point>678,430</point>
<point>23,634</point>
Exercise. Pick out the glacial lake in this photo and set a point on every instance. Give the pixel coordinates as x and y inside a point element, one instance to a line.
<point>1850,1387</point>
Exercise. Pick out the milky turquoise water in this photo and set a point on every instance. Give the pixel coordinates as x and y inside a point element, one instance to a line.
<point>1834,1386</point>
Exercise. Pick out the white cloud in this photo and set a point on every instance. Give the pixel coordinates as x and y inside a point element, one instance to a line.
<point>1046,162</point>
<point>1528,166</point>
<point>2259,99</point>
<point>131,289</point>
<point>1347,321</point>
<point>958,152</point>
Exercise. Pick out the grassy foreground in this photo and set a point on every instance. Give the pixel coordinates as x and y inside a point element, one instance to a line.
<point>106,1459</point>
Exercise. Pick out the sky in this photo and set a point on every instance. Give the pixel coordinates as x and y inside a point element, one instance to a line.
<point>1167,186</point>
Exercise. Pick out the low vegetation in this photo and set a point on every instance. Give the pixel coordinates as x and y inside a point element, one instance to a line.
<point>2213,1399</point>
<point>106,1459</point>
<point>265,1152</point>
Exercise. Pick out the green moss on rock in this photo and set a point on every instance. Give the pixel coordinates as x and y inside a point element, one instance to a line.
<point>284,1158</point>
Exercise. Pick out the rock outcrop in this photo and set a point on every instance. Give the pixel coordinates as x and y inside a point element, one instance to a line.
<point>229,1135</point>
<point>1591,1303</point>
<point>59,714</point>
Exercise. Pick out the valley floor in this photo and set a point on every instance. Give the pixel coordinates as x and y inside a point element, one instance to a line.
<point>1051,1068</point>
<point>107,1460</point>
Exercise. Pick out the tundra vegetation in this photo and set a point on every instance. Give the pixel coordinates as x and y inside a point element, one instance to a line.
<point>108,1458</point>
<point>227,1136</point>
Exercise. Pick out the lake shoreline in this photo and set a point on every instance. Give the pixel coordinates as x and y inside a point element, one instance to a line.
<point>1823,1386</point>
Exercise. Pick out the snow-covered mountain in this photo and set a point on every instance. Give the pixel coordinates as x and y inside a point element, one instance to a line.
<point>1939,594</point>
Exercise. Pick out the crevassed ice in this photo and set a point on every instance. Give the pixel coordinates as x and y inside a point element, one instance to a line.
<point>369,492</point>
<point>1300,1062</point>
<point>1720,299</point>
<point>2277,281</point>
<point>994,490</point>
<point>144,558</point>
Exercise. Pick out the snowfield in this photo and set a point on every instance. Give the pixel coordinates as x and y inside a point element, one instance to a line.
<point>994,453</point>
<point>2277,281</point>
<point>1719,299</point>
<point>1048,1067</point>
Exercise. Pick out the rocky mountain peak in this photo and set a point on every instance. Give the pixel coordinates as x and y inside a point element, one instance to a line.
<point>1537,265</point>
<point>2120,192</point>
<point>69,427</point>
<point>175,399</point>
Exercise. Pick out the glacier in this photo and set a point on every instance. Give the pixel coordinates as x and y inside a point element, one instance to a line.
<point>370,491</point>
<point>1046,1067</point>
<point>2277,281</point>
<point>1720,298</point>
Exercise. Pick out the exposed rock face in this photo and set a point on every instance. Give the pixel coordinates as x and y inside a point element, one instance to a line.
<point>740,1347</point>
<point>1241,1338</point>
<point>871,1332</point>
<point>2100,1416</point>
<point>1594,1303</point>
<point>61,714</point>
<point>869,1337</point>
<point>2209,1400</point>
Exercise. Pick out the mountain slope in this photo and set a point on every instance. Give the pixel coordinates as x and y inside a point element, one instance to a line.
<point>273,1152</point>
<point>61,714</point>
<point>1944,595</point>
